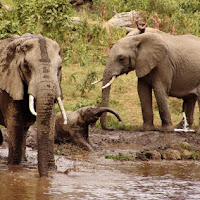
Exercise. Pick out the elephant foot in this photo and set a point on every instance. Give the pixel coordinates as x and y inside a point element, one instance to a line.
<point>168,128</point>
<point>107,128</point>
<point>198,131</point>
<point>147,127</point>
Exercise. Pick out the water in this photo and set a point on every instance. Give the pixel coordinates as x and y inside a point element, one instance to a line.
<point>93,177</point>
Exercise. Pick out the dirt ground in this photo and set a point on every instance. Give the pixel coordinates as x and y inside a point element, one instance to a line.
<point>127,145</point>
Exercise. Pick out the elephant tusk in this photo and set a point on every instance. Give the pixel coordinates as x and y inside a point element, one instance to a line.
<point>95,82</point>
<point>62,110</point>
<point>31,105</point>
<point>109,83</point>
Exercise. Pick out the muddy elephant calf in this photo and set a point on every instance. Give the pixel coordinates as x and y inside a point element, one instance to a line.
<point>76,130</point>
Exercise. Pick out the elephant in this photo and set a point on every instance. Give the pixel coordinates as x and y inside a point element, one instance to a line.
<point>166,64</point>
<point>76,130</point>
<point>187,107</point>
<point>30,84</point>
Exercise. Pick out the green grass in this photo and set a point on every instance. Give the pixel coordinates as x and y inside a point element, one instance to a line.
<point>7,2</point>
<point>85,47</point>
<point>120,157</point>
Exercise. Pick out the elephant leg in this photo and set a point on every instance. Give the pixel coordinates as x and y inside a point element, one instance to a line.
<point>188,108</point>
<point>15,142</point>
<point>24,144</point>
<point>15,127</point>
<point>198,130</point>
<point>1,138</point>
<point>163,106</point>
<point>145,95</point>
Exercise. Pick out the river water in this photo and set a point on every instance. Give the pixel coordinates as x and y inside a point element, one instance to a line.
<point>94,177</point>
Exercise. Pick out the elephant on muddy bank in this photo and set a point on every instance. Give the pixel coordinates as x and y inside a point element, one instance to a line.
<point>30,69</point>
<point>76,130</point>
<point>166,64</point>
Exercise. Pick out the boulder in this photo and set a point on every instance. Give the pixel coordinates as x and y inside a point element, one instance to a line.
<point>124,19</point>
<point>171,154</point>
<point>186,154</point>
<point>153,154</point>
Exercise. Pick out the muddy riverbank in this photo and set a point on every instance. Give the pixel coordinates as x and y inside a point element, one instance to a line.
<point>129,146</point>
<point>113,171</point>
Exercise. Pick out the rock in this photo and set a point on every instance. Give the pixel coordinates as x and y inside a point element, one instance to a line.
<point>185,145</point>
<point>153,154</point>
<point>171,154</point>
<point>186,154</point>
<point>130,20</point>
<point>125,19</point>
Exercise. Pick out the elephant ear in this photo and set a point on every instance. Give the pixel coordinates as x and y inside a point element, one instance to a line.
<point>10,80</point>
<point>151,50</point>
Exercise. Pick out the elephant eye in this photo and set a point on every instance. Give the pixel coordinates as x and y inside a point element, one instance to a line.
<point>26,47</point>
<point>59,68</point>
<point>26,66</point>
<point>121,59</point>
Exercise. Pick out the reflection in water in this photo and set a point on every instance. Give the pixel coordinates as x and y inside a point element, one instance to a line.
<point>104,179</point>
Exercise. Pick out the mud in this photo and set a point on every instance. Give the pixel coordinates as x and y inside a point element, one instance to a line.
<point>127,145</point>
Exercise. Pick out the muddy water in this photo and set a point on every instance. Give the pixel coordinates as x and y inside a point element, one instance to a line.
<point>94,177</point>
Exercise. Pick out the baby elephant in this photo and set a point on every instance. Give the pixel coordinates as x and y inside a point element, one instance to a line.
<point>76,129</point>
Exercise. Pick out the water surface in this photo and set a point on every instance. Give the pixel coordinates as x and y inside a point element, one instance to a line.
<point>94,177</point>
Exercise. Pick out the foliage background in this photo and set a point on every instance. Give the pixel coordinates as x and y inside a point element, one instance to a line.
<point>85,46</point>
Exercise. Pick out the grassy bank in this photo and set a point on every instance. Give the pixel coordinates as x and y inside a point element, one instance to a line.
<point>85,46</point>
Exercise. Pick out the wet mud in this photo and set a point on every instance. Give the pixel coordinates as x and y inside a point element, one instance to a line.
<point>121,167</point>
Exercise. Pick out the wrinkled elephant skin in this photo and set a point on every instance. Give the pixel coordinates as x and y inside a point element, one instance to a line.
<point>77,127</point>
<point>166,64</point>
<point>30,68</point>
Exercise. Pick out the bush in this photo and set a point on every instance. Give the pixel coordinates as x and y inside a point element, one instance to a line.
<point>50,18</point>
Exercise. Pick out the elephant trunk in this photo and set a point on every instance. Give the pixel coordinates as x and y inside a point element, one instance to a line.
<point>103,110</point>
<point>105,100</point>
<point>44,107</point>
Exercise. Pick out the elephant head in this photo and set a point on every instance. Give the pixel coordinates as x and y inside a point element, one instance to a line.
<point>141,53</point>
<point>76,129</point>
<point>31,65</point>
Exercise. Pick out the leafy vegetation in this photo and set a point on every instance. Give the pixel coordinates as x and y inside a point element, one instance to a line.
<point>120,157</point>
<point>85,45</point>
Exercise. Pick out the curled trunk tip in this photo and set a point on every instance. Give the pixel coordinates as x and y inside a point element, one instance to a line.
<point>106,109</point>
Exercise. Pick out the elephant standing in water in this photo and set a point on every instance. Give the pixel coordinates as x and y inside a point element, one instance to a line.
<point>30,68</point>
<point>76,130</point>
<point>169,65</point>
